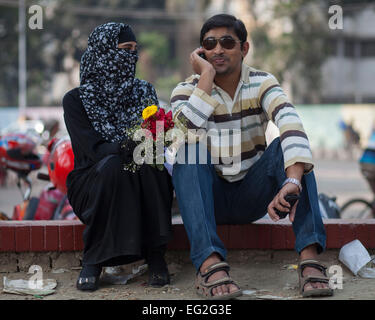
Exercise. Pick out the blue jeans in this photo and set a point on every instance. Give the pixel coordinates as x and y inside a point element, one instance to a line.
<point>206,200</point>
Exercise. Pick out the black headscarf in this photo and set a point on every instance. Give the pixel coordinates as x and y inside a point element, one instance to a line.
<point>112,97</point>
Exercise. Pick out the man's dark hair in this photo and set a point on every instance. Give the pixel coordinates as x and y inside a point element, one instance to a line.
<point>228,21</point>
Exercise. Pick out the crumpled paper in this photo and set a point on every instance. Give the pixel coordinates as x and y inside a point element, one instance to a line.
<point>23,287</point>
<point>262,295</point>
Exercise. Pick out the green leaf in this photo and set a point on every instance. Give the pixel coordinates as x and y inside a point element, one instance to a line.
<point>160,167</point>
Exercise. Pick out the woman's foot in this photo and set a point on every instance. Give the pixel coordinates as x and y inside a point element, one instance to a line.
<point>88,279</point>
<point>158,279</point>
<point>158,275</point>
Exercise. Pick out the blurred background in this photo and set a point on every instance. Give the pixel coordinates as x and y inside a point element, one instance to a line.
<point>322,52</point>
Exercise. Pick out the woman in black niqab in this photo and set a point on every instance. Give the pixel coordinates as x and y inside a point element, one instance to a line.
<point>127,215</point>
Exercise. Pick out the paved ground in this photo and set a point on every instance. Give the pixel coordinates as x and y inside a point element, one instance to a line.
<point>342,179</point>
<point>262,274</point>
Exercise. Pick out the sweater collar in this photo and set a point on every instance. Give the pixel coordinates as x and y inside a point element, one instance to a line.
<point>245,75</point>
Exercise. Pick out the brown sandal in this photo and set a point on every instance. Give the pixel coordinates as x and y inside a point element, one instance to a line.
<point>204,287</point>
<point>309,279</point>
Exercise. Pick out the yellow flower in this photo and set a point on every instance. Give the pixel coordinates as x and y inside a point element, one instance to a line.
<point>149,111</point>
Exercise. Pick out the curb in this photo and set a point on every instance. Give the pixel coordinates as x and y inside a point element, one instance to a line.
<point>65,236</point>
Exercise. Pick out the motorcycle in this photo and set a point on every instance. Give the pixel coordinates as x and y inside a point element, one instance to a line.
<point>18,154</point>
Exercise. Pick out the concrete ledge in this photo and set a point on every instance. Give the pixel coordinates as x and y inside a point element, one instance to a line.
<point>66,236</point>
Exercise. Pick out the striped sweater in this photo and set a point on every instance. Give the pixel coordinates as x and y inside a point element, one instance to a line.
<point>235,130</point>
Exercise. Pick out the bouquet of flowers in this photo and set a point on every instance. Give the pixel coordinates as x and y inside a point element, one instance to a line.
<point>149,139</point>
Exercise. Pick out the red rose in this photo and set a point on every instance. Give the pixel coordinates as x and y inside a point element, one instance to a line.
<point>160,114</point>
<point>150,123</point>
<point>168,120</point>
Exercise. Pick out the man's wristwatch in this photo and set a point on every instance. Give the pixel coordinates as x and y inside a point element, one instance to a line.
<point>293,180</point>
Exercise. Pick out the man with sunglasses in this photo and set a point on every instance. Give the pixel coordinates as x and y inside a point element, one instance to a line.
<point>229,103</point>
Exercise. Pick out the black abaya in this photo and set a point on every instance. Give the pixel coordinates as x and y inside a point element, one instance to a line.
<point>125,213</point>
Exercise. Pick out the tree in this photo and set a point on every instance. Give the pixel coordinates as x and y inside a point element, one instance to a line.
<point>299,51</point>
<point>58,47</point>
<point>8,57</point>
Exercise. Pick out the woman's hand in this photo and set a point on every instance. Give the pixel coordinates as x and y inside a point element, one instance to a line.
<point>127,147</point>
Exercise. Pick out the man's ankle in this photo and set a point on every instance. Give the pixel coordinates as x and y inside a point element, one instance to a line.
<point>211,259</point>
<point>309,252</point>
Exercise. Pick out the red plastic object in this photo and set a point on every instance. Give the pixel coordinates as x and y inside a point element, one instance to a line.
<point>19,210</point>
<point>48,202</point>
<point>61,163</point>
<point>17,152</point>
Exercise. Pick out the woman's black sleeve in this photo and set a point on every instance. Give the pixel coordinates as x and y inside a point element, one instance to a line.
<point>81,132</point>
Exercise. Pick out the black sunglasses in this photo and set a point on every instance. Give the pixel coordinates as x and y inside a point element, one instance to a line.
<point>226,42</point>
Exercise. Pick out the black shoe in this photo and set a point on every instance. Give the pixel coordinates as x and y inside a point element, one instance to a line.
<point>88,283</point>
<point>158,279</point>
<point>158,270</point>
<point>88,279</point>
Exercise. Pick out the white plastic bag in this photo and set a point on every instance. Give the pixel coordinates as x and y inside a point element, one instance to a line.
<point>354,255</point>
<point>368,271</point>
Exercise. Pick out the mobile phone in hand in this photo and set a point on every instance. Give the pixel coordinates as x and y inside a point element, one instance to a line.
<point>202,55</point>
<point>292,199</point>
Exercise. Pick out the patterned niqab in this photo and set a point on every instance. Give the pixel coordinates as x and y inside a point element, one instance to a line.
<point>112,97</point>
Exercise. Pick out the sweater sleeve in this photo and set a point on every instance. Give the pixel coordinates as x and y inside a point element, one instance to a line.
<point>283,114</point>
<point>82,134</point>
<point>191,106</point>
